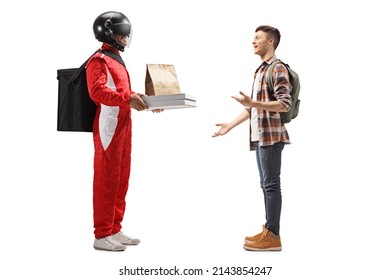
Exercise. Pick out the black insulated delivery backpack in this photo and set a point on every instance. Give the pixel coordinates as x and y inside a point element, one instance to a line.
<point>76,109</point>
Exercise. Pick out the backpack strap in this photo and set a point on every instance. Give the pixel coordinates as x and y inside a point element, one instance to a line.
<point>80,70</point>
<point>268,76</point>
<point>111,54</point>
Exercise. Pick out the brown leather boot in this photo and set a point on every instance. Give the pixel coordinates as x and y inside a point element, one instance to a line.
<point>255,237</point>
<point>267,241</point>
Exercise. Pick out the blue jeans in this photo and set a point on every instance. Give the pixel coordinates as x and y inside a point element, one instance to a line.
<point>269,162</point>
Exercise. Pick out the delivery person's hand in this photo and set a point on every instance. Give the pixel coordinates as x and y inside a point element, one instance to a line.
<point>137,103</point>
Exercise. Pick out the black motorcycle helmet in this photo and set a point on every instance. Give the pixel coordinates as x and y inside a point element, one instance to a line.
<point>109,24</point>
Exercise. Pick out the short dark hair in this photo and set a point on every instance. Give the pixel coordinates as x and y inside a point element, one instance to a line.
<point>271,32</point>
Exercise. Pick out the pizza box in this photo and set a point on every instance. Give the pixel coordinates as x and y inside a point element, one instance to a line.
<point>169,101</point>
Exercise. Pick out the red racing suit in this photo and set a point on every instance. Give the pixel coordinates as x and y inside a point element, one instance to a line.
<point>109,86</point>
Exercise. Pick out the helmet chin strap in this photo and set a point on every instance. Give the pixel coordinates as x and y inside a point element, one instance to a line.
<point>118,46</point>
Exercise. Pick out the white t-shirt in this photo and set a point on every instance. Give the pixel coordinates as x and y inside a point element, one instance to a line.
<point>255,116</point>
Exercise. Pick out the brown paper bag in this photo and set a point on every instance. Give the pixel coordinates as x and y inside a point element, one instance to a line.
<point>161,79</point>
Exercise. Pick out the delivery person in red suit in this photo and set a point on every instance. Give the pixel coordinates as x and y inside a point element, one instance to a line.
<point>109,86</point>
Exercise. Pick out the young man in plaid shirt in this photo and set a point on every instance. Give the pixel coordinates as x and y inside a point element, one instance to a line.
<point>268,133</point>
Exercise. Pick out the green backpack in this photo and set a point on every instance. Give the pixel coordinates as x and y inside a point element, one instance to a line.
<point>294,80</point>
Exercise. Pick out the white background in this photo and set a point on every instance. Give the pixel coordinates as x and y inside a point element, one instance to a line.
<point>193,198</point>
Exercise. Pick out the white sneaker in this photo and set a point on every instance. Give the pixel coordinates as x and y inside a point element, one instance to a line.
<point>108,244</point>
<point>124,239</point>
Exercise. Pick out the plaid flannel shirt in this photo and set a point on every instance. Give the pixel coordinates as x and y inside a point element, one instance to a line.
<point>271,127</point>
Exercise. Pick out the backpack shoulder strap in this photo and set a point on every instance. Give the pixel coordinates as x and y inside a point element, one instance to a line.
<point>268,76</point>
<point>80,70</point>
<point>113,55</point>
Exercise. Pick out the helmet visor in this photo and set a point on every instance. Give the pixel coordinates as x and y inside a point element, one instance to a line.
<point>123,33</point>
<point>129,38</point>
<point>123,29</point>
<point>124,41</point>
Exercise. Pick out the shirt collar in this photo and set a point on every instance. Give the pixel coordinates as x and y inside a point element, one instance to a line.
<point>270,60</point>
<point>265,63</point>
<point>106,46</point>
